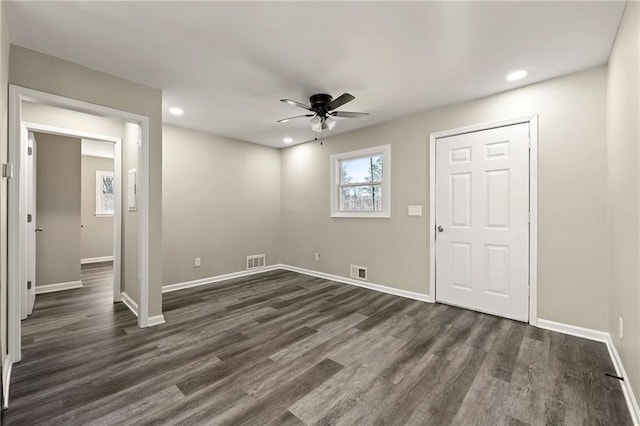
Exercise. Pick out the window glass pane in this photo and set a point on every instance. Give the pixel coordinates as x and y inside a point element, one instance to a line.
<point>365,198</point>
<point>361,170</point>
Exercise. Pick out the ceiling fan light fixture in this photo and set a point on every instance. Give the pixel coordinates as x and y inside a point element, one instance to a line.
<point>330,122</point>
<point>316,124</point>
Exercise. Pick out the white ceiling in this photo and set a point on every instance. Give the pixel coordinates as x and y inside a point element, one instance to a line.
<point>228,64</point>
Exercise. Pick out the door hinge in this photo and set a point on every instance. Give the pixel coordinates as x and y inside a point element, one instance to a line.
<point>7,170</point>
<point>28,285</point>
<point>529,217</point>
<point>29,218</point>
<point>29,151</point>
<point>529,143</point>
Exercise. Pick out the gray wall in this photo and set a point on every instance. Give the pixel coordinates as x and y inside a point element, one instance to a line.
<point>221,202</point>
<point>572,217</point>
<point>38,71</point>
<point>623,139</point>
<point>57,209</point>
<point>97,232</point>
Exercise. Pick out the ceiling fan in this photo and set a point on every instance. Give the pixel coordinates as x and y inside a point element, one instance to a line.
<point>322,110</point>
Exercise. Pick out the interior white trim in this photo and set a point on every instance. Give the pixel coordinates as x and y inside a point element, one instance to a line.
<point>331,277</point>
<point>532,119</point>
<point>50,288</point>
<point>358,283</point>
<point>6,380</point>
<point>573,330</point>
<point>632,402</point>
<point>210,280</point>
<point>604,337</point>
<point>129,303</point>
<point>156,320</point>
<point>88,260</point>
<point>334,167</point>
<point>17,203</point>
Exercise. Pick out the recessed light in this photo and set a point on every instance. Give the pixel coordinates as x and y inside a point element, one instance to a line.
<point>287,140</point>
<point>176,111</point>
<point>517,75</point>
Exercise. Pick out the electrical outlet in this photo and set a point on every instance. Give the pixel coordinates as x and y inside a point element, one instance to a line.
<point>197,262</point>
<point>317,257</point>
<point>620,327</point>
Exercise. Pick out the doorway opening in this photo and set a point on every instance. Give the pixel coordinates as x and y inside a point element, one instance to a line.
<point>19,235</point>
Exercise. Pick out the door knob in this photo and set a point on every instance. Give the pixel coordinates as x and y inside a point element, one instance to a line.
<point>39,229</point>
<point>440,228</point>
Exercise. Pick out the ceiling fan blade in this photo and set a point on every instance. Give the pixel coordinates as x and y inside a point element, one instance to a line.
<point>348,114</point>
<point>284,120</point>
<point>294,103</point>
<point>340,100</point>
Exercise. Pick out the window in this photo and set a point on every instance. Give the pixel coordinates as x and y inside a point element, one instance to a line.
<point>105,198</point>
<point>361,183</point>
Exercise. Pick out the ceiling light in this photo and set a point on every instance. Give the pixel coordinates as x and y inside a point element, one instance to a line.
<point>176,111</point>
<point>287,140</point>
<point>330,123</point>
<point>316,124</point>
<point>517,75</point>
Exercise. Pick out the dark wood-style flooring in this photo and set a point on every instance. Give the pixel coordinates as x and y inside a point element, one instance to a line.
<point>281,348</point>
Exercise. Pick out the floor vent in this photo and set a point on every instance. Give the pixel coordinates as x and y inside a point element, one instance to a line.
<point>359,272</point>
<point>256,261</point>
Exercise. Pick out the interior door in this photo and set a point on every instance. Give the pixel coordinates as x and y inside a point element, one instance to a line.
<point>482,221</point>
<point>31,224</point>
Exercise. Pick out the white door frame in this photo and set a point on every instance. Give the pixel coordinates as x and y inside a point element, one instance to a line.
<point>117,190</point>
<point>532,120</point>
<point>17,202</point>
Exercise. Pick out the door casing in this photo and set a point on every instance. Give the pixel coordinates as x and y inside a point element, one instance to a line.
<point>532,120</point>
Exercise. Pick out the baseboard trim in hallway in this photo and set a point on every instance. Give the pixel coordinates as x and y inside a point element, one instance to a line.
<point>604,337</point>
<point>632,402</point>
<point>6,380</point>
<point>210,280</point>
<point>89,260</point>
<point>129,303</point>
<point>364,284</point>
<point>372,286</point>
<point>50,288</point>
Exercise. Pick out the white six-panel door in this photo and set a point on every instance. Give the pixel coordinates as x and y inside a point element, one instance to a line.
<point>482,221</point>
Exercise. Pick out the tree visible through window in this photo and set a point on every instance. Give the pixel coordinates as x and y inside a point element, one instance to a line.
<point>362,183</point>
<point>105,197</point>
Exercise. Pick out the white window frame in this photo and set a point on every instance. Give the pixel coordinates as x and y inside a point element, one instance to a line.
<point>385,151</point>
<point>99,209</point>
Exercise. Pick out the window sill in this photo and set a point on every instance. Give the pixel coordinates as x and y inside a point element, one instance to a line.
<point>104,214</point>
<point>362,215</point>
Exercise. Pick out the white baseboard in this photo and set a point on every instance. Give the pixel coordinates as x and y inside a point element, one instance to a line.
<point>155,320</point>
<point>6,380</point>
<point>604,337</point>
<point>371,286</point>
<point>210,280</point>
<point>50,288</point>
<point>573,330</point>
<point>632,402</point>
<point>129,303</point>
<point>96,260</point>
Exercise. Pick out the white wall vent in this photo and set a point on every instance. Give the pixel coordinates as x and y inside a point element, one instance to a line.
<point>359,272</point>
<point>256,261</point>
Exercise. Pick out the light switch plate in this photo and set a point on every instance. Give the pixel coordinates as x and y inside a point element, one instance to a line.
<point>415,211</point>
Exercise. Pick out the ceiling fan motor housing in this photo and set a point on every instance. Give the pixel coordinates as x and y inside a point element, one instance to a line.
<point>320,103</point>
